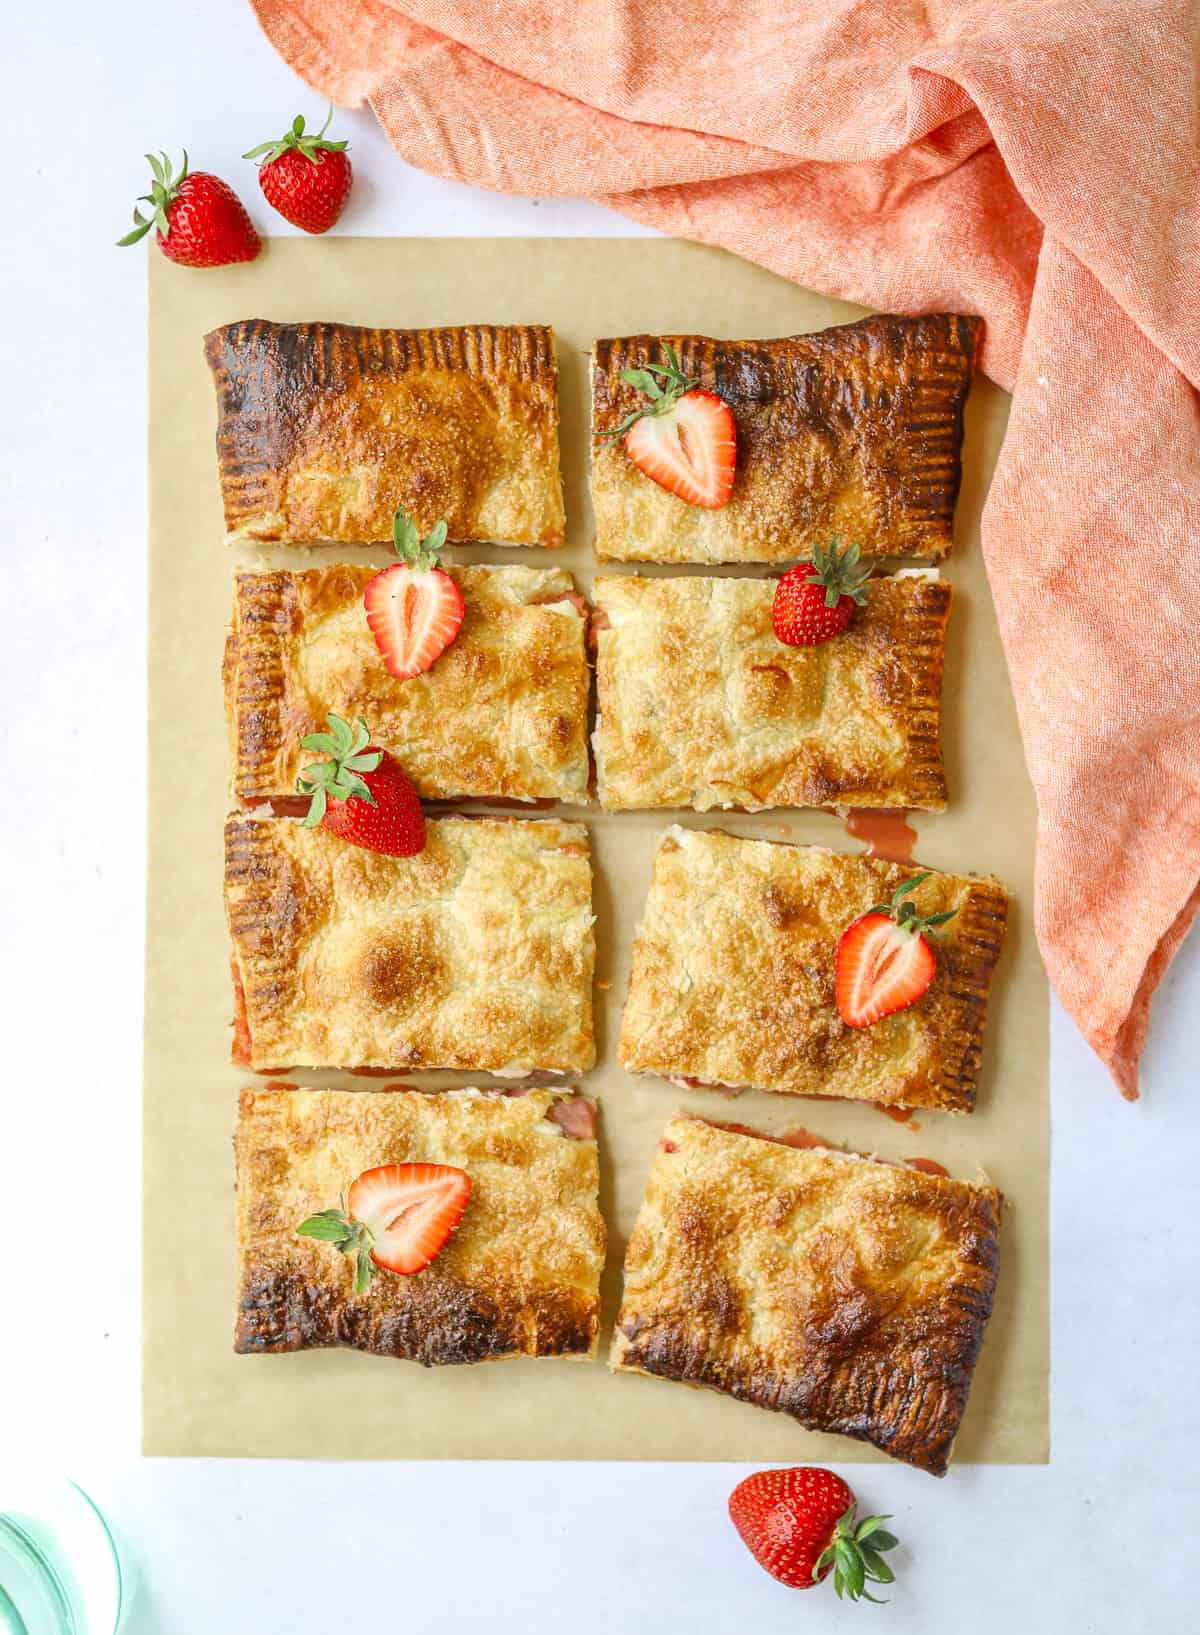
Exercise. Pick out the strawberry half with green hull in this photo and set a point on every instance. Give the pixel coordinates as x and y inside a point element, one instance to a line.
<point>684,438</point>
<point>304,176</point>
<point>398,1217</point>
<point>884,960</point>
<point>360,793</point>
<point>815,601</point>
<point>800,1525</point>
<point>200,220</point>
<point>414,608</point>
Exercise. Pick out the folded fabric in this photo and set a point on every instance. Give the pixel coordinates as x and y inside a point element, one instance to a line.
<point>1029,160</point>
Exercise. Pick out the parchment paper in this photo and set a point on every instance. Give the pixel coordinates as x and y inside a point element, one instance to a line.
<point>198,1397</point>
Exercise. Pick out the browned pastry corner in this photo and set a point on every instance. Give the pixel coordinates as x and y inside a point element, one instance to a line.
<point>520,1276</point>
<point>325,429</point>
<point>850,1294</point>
<point>732,980</point>
<point>502,714</point>
<point>856,432</point>
<point>475,954</point>
<point>699,704</point>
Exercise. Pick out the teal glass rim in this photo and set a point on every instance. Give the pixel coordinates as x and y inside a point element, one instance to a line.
<point>63,1597</point>
<point>106,1532</point>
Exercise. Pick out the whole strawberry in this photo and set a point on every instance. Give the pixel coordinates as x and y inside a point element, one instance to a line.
<point>305,177</point>
<point>361,793</point>
<point>800,1525</point>
<point>815,600</point>
<point>201,221</point>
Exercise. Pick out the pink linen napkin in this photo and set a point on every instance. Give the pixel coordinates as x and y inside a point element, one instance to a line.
<point>1034,161</point>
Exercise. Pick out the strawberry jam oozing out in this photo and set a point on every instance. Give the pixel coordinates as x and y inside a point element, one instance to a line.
<point>576,1118</point>
<point>927,1166</point>
<point>889,835</point>
<point>242,1046</point>
<point>898,1115</point>
<point>798,1137</point>
<point>558,598</point>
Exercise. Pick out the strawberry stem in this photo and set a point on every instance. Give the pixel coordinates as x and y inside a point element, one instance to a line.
<point>340,777</point>
<point>839,575</point>
<point>164,190</point>
<point>311,144</point>
<point>663,395</point>
<point>420,554</point>
<point>856,1555</point>
<point>904,911</point>
<point>350,1237</point>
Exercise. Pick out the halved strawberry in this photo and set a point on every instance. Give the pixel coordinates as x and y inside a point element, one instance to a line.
<point>398,1216</point>
<point>414,609</point>
<point>410,1210</point>
<point>684,439</point>
<point>884,962</point>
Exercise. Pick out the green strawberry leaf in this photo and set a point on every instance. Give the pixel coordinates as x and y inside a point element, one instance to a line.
<point>317,807</point>
<point>364,1271</point>
<point>340,777</point>
<point>662,383</point>
<point>328,1225</point>
<point>421,555</point>
<point>877,1568</point>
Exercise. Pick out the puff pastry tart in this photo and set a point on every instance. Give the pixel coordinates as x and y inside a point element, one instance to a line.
<point>856,431</point>
<point>501,714</point>
<point>700,705</point>
<point>851,1294</point>
<point>520,1277</point>
<point>324,430</point>
<point>475,954</point>
<point>732,980</point>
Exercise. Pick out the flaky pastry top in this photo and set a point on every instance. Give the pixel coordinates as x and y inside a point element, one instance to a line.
<point>502,713</point>
<point>856,431</point>
<point>851,1294</point>
<point>476,954</point>
<point>732,979</point>
<point>699,704</point>
<point>325,429</point>
<point>520,1276</point>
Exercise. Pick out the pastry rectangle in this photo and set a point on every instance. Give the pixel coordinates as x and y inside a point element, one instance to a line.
<point>850,1294</point>
<point>699,704</point>
<point>856,431</point>
<point>501,714</point>
<point>476,954</point>
<point>519,1277</point>
<point>732,980</point>
<point>324,430</point>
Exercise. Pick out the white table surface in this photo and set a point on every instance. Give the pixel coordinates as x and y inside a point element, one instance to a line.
<point>284,1549</point>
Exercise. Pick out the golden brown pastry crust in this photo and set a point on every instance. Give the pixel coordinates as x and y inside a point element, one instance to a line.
<point>325,429</point>
<point>501,714</point>
<point>732,979</point>
<point>520,1277</point>
<point>856,431</point>
<point>476,954</point>
<point>699,704</point>
<point>850,1294</point>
